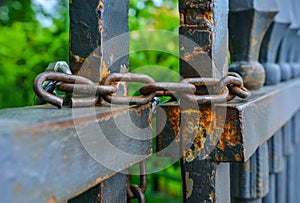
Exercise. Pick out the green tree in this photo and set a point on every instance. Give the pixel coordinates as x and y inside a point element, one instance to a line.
<point>162,15</point>
<point>26,48</point>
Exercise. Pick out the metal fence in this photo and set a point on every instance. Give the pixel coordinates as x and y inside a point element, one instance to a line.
<point>240,150</point>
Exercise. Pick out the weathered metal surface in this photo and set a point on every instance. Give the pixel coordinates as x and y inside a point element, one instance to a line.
<point>275,145</point>
<point>115,24</point>
<point>268,53</point>
<point>297,157</point>
<point>281,24</point>
<point>92,26</point>
<point>90,196</point>
<point>248,22</point>
<point>290,51</point>
<point>203,181</point>
<point>250,180</point>
<point>281,183</point>
<point>262,116</point>
<point>282,21</point>
<point>113,190</point>
<point>271,196</point>
<point>247,124</point>
<point>204,22</point>
<point>110,190</point>
<point>83,35</point>
<point>41,146</point>
<point>168,130</point>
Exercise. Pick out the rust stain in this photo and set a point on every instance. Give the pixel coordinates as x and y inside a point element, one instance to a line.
<point>174,117</point>
<point>229,136</point>
<point>76,58</point>
<point>138,112</point>
<point>52,200</point>
<point>238,157</point>
<point>102,116</point>
<point>198,128</point>
<point>189,156</point>
<point>212,196</point>
<point>189,185</point>
<point>213,177</point>
<point>99,10</point>
<point>150,119</point>
<point>104,71</point>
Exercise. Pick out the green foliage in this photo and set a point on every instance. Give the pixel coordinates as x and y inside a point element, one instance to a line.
<point>144,14</point>
<point>164,186</point>
<point>26,48</point>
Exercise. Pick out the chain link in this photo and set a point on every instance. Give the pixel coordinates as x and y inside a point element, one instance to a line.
<point>86,92</point>
<point>135,191</point>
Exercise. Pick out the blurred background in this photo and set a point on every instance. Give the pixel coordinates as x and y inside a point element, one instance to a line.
<point>34,33</point>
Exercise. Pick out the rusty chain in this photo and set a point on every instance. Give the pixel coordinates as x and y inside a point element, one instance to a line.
<point>138,191</point>
<point>86,92</point>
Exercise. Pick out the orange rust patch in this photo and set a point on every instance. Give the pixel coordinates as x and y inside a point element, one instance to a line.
<point>150,118</point>
<point>77,58</point>
<point>174,117</point>
<point>52,200</point>
<point>138,111</point>
<point>104,71</point>
<point>189,155</point>
<point>200,129</point>
<point>229,136</point>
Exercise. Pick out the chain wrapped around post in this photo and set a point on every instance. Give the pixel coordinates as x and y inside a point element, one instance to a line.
<point>87,92</point>
<point>135,191</point>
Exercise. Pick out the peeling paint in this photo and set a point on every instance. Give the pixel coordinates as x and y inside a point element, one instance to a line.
<point>189,185</point>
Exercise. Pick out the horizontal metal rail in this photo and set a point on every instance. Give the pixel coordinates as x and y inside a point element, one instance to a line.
<point>263,115</point>
<point>251,123</point>
<point>43,158</point>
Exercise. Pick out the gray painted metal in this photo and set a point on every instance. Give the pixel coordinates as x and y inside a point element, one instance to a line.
<point>206,26</point>
<point>250,180</point>
<point>248,22</point>
<point>255,122</point>
<point>42,157</point>
<point>271,196</point>
<point>265,113</point>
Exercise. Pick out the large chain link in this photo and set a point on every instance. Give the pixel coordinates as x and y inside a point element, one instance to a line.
<point>138,191</point>
<point>87,93</point>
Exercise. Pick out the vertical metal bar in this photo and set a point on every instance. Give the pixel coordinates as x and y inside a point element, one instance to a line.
<point>113,190</point>
<point>271,196</point>
<point>84,37</point>
<point>275,165</point>
<point>204,23</point>
<point>92,25</point>
<point>250,180</point>
<point>282,21</point>
<point>297,151</point>
<point>268,53</point>
<point>248,22</point>
<point>281,188</point>
<point>115,35</point>
<point>289,53</point>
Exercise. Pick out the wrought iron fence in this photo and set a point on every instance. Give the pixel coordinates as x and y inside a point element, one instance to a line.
<point>230,149</point>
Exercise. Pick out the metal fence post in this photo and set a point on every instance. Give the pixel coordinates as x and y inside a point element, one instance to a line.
<point>205,23</point>
<point>92,25</point>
